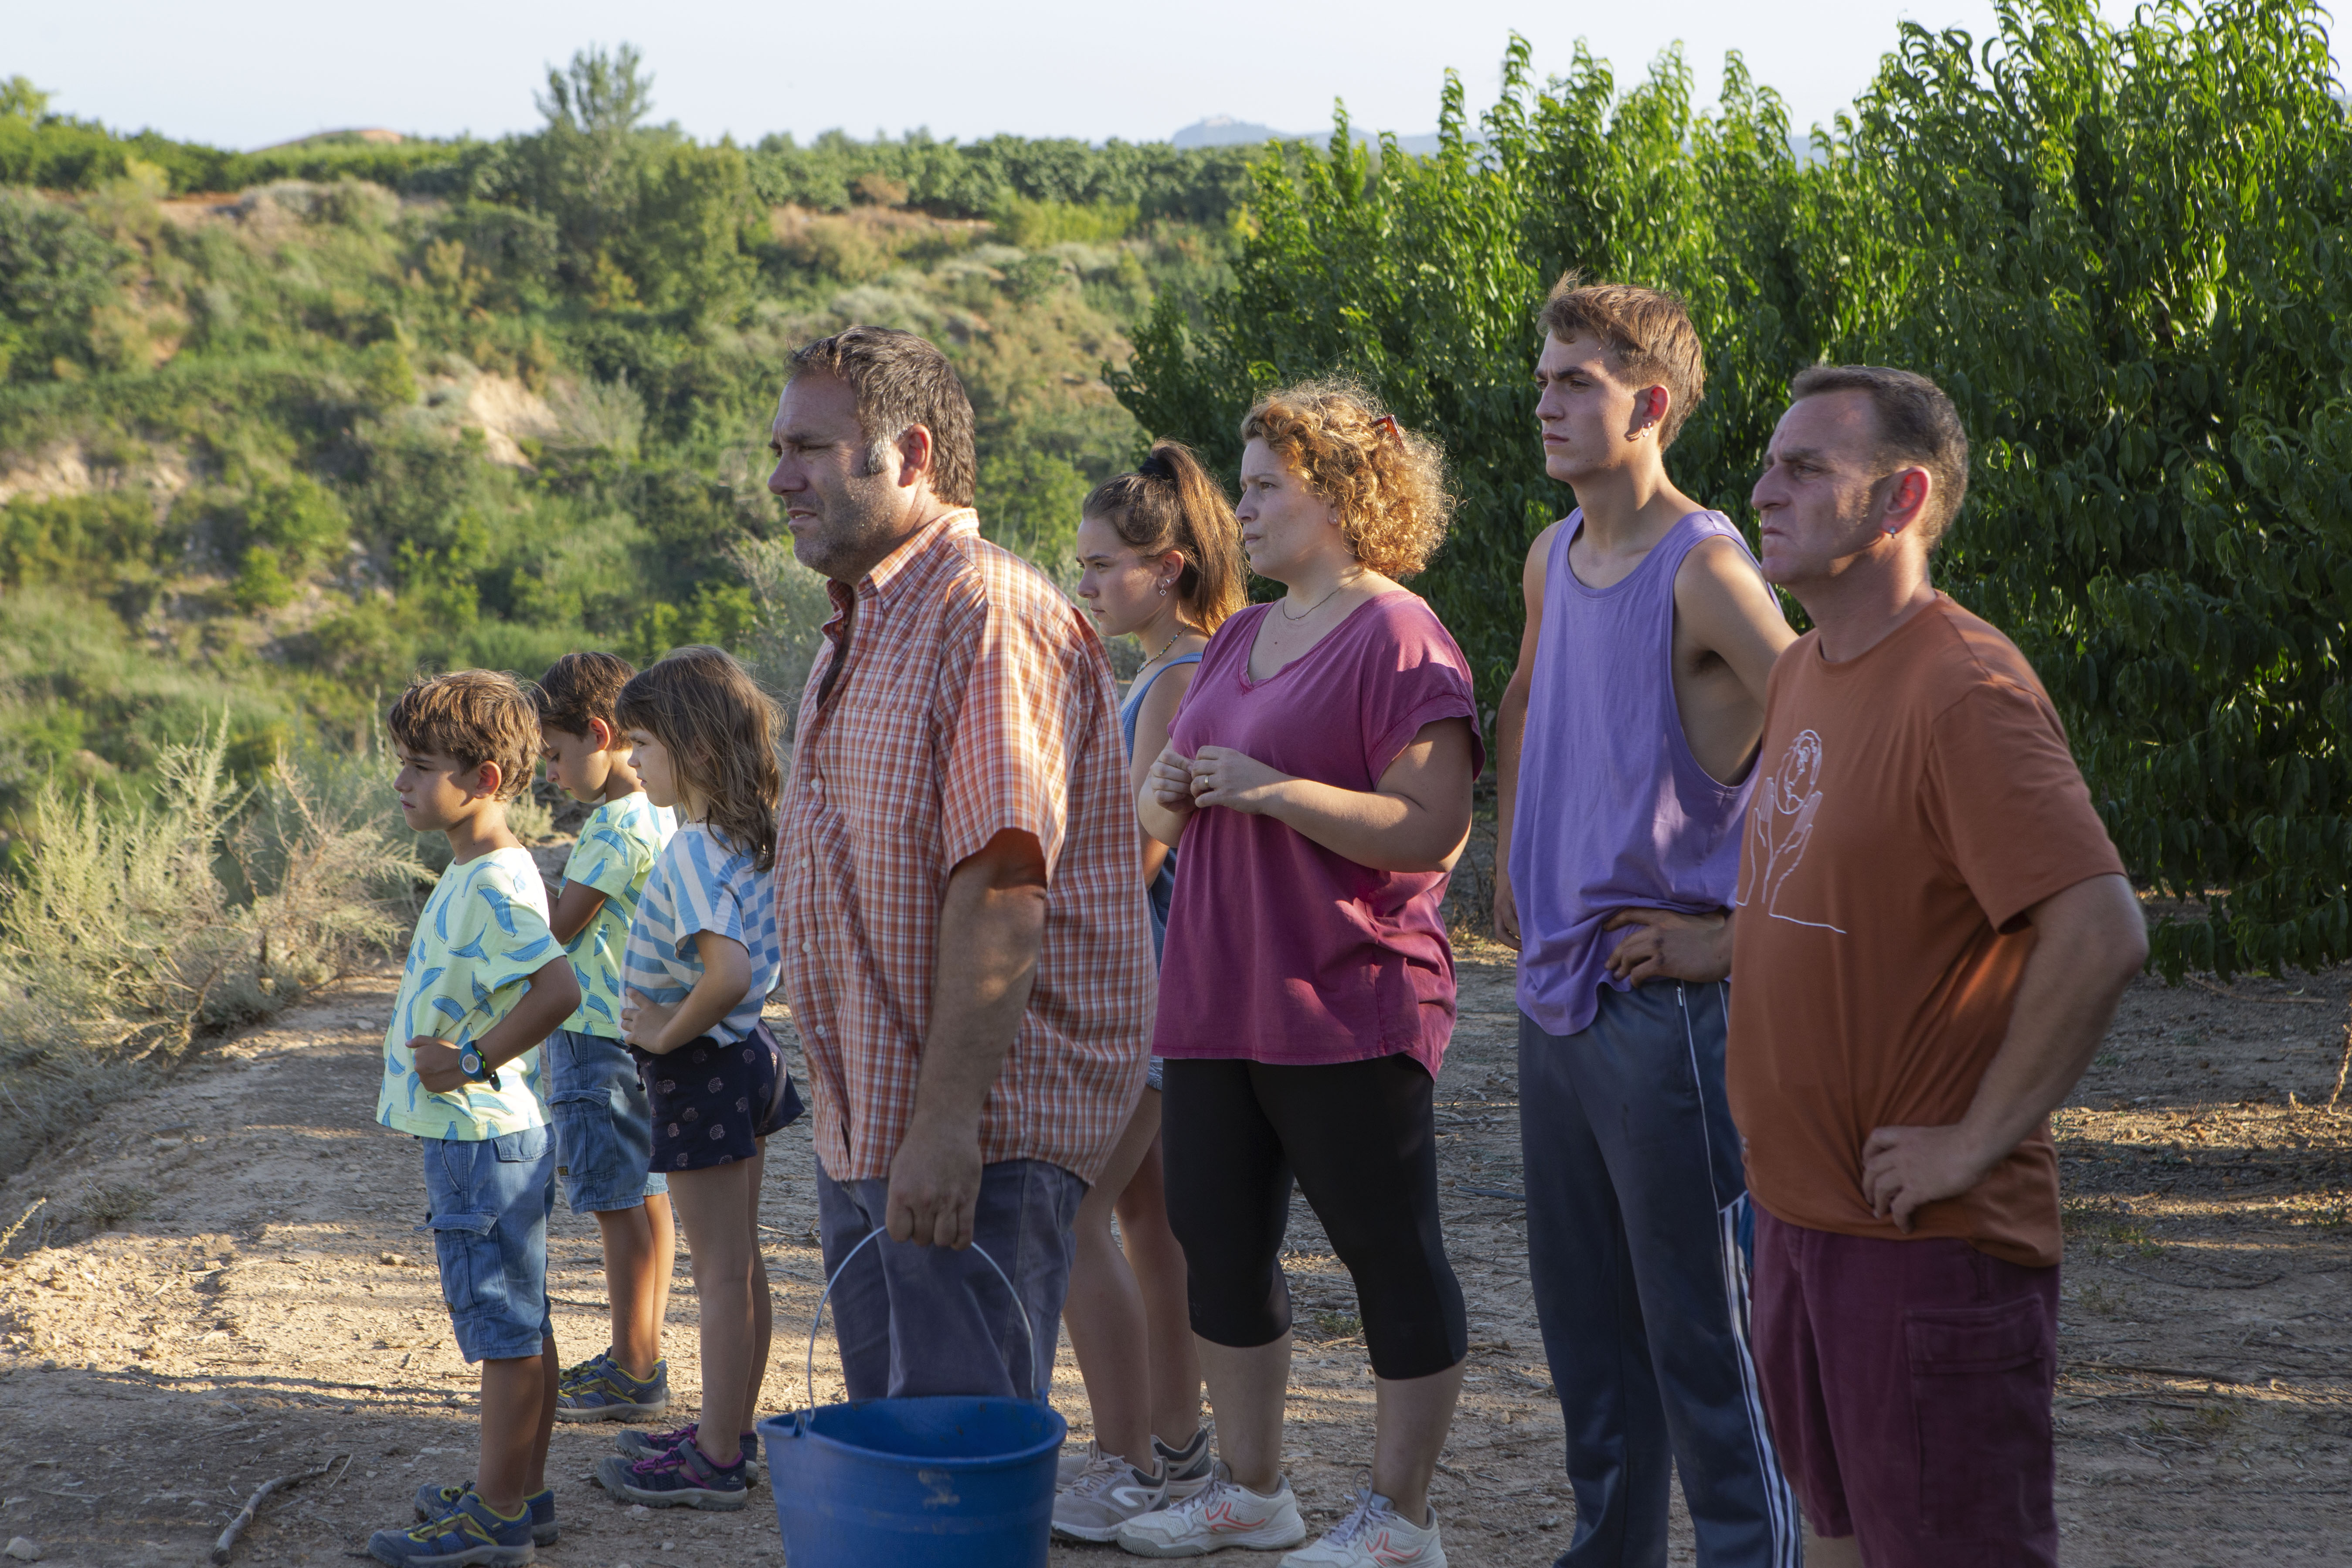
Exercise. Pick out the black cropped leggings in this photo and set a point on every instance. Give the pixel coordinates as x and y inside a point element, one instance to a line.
<point>1360,1139</point>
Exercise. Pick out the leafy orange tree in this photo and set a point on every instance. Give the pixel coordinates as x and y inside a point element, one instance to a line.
<point>2122,249</point>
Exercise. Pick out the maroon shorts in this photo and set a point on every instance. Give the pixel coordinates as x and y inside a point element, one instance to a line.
<point>1908,1386</point>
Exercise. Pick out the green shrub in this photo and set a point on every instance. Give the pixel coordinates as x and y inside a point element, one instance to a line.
<point>722,615</point>
<point>57,274</point>
<point>91,540</point>
<point>261,581</point>
<point>1036,226</point>
<point>1028,501</point>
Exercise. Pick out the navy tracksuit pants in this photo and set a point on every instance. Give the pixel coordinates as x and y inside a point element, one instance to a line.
<point>1638,1239</point>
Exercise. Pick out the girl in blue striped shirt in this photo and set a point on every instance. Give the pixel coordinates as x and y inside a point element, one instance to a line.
<point>702,959</point>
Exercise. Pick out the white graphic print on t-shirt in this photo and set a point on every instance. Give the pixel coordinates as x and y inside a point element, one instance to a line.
<point>1779,826</point>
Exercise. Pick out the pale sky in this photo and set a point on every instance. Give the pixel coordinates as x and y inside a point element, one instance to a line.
<point>246,73</point>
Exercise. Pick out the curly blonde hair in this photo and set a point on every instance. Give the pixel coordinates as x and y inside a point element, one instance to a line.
<point>1388,482</point>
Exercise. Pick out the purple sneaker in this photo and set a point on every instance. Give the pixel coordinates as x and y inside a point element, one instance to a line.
<point>651,1444</point>
<point>681,1478</point>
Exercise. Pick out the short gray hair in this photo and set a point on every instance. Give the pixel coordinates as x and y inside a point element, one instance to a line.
<point>1916,425</point>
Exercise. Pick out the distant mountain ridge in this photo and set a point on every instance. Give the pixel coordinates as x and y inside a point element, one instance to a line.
<point>1224,130</point>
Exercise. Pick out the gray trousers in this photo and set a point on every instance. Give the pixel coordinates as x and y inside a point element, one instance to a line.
<point>1639,1235</point>
<point>914,1321</point>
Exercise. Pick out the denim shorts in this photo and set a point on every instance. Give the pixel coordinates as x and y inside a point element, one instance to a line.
<point>489,1200</point>
<point>603,1128</point>
<point>713,1102</point>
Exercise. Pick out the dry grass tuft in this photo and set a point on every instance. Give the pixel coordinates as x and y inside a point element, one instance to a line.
<point>135,932</point>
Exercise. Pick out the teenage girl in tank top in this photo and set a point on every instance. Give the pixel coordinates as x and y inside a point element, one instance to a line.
<point>1159,559</point>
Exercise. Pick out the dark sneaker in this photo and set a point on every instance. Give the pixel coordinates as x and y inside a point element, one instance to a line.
<point>681,1478</point>
<point>469,1536</point>
<point>650,1445</point>
<point>601,1389</point>
<point>439,1502</point>
<point>1189,1467</point>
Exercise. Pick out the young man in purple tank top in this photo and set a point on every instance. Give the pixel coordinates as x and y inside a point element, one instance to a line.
<point>1627,739</point>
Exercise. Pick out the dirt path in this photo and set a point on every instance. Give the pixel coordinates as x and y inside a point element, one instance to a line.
<point>232,1292</point>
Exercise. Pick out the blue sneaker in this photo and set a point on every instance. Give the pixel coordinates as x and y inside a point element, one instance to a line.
<point>651,1445</point>
<point>601,1389</point>
<point>469,1536</point>
<point>681,1478</point>
<point>439,1502</point>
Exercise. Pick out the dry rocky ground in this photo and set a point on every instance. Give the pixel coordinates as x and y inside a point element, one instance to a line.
<point>223,1287</point>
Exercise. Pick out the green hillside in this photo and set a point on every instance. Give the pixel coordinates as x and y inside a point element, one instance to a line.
<point>277,428</point>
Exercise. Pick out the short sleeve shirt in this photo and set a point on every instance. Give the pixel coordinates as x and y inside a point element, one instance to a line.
<point>1279,950</point>
<point>482,935</point>
<point>1912,804</point>
<point>703,883</point>
<point>971,698</point>
<point>615,854</point>
<point>617,847</point>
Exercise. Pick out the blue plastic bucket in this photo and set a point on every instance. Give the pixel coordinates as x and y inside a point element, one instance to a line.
<point>945,1482</point>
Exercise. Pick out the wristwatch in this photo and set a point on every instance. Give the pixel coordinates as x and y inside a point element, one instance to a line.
<point>470,1063</point>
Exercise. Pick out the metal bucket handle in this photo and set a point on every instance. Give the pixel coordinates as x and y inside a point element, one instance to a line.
<point>1028,1329</point>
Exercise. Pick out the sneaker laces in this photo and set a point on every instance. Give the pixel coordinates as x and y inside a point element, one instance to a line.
<point>1220,1480</point>
<point>1103,1472</point>
<point>655,1463</point>
<point>461,1522</point>
<point>1360,1518</point>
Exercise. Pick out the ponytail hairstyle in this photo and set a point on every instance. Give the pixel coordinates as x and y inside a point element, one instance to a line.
<point>1170,502</point>
<point>720,730</point>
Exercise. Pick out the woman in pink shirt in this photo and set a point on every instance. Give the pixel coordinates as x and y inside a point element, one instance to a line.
<point>1317,784</point>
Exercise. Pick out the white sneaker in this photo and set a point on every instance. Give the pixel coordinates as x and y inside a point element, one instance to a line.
<point>1221,1514</point>
<point>1373,1535</point>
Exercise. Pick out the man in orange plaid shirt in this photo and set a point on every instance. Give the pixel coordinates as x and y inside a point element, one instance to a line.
<point>965,946</point>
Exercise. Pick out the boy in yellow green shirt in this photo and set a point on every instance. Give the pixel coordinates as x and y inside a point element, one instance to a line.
<point>484,983</point>
<point>603,1122</point>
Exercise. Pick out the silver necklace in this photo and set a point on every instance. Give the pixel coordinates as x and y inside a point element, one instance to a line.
<point>1321,602</point>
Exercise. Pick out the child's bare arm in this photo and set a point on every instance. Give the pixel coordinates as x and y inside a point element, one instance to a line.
<point>726,975</point>
<point>574,908</point>
<point>554,992</point>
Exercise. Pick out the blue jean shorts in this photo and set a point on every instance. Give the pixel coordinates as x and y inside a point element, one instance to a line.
<point>603,1127</point>
<point>488,1201</point>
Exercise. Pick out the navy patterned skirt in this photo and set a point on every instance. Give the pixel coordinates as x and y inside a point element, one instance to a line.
<point>712,1101</point>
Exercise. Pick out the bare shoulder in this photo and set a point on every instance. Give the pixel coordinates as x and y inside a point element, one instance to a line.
<point>1159,703</point>
<point>1539,555</point>
<point>1717,588</point>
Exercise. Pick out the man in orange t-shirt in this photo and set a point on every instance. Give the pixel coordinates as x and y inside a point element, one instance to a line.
<point>1930,935</point>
